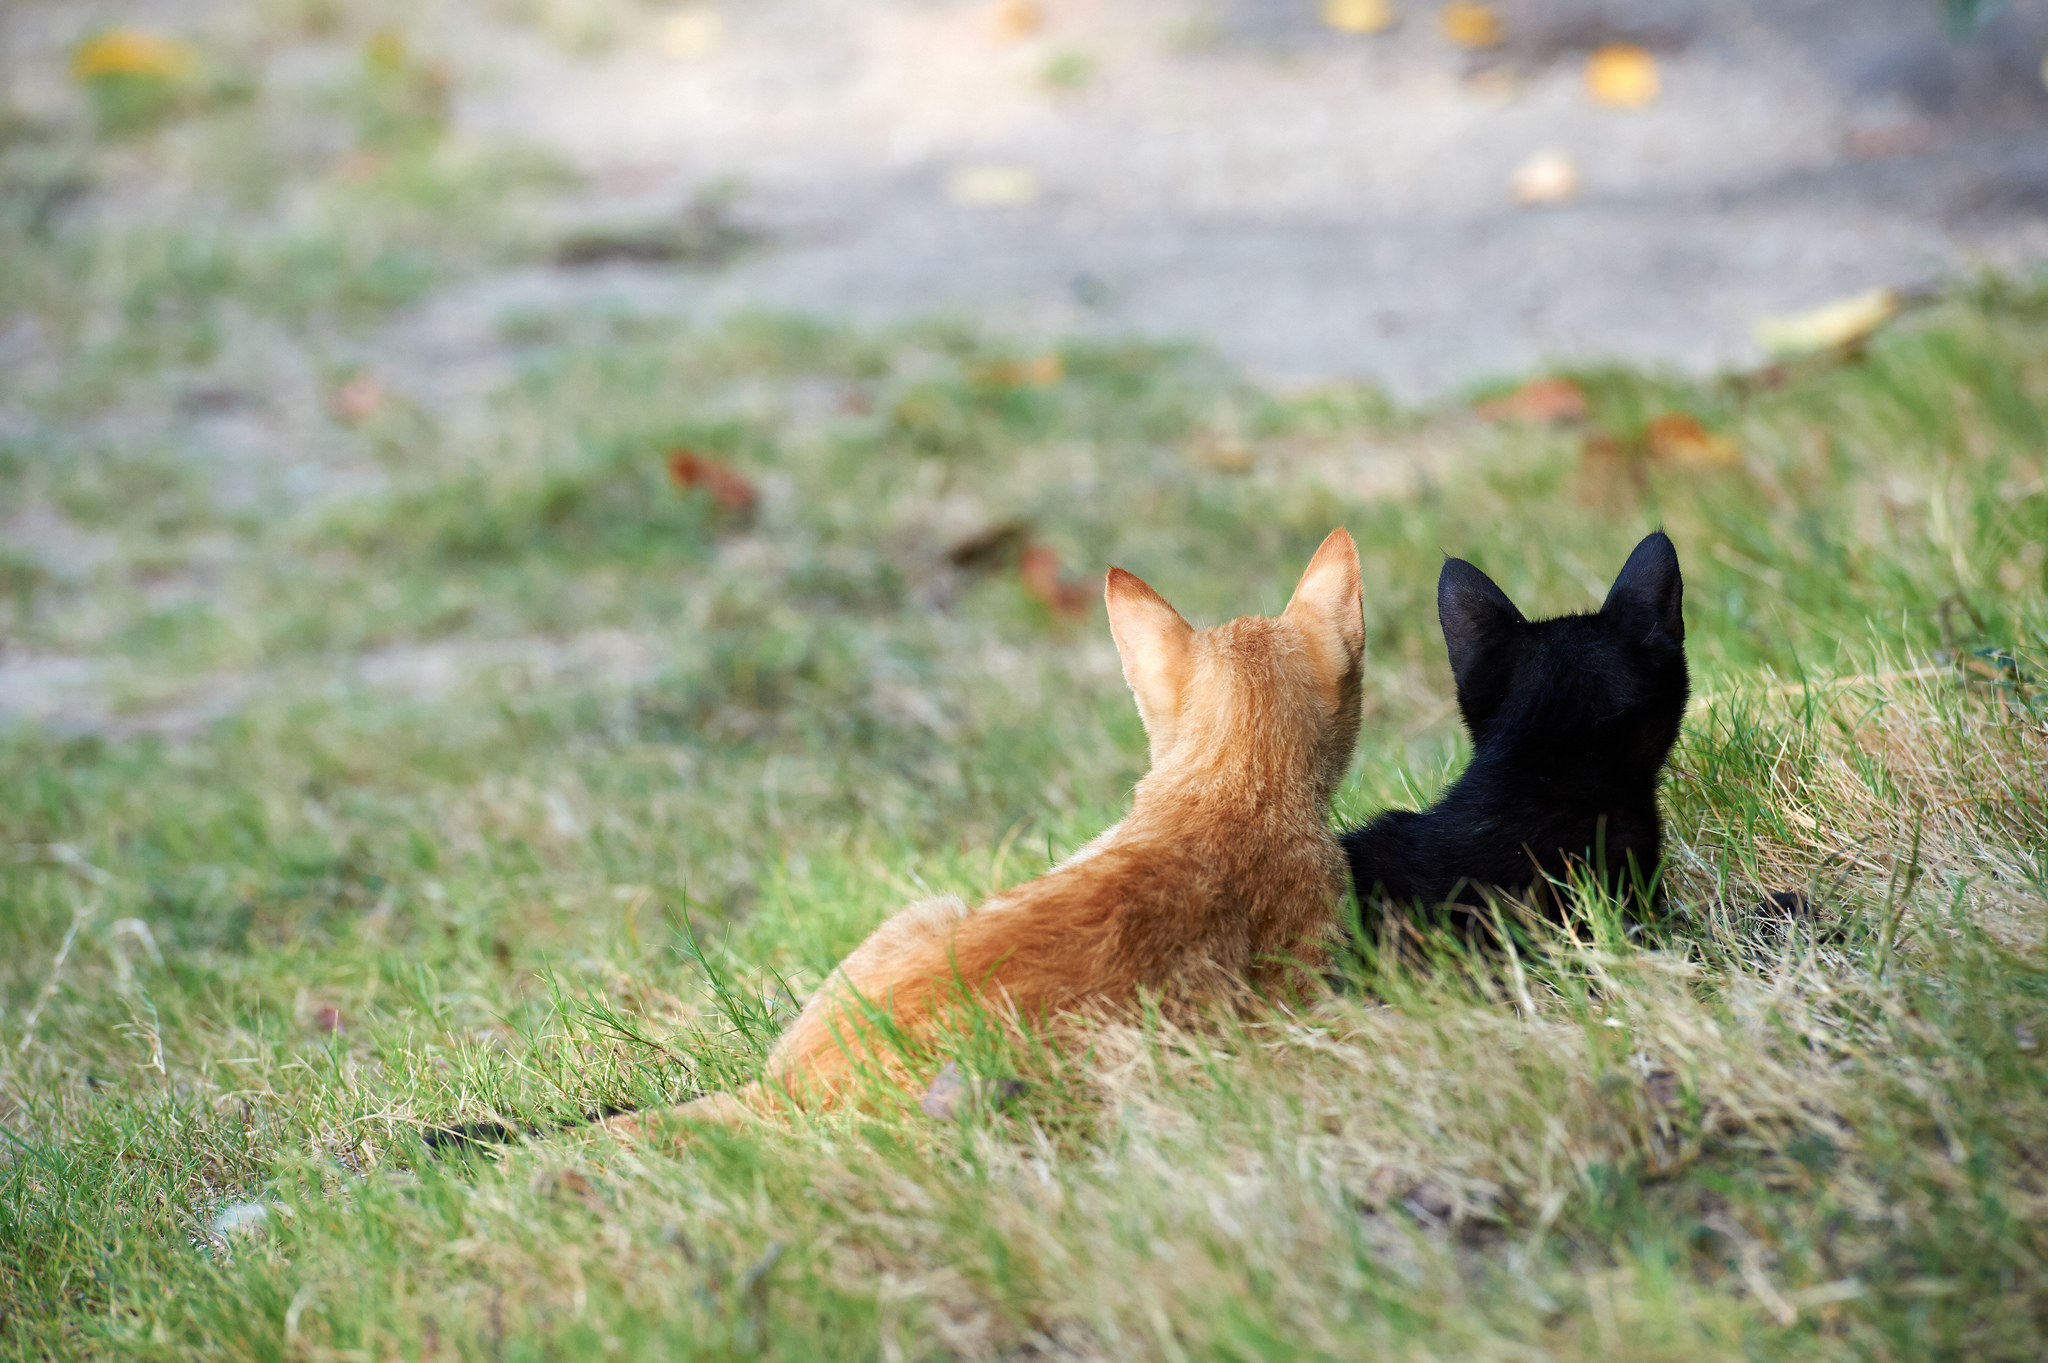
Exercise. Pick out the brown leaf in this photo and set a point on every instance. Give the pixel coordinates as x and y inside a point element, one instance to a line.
<point>1040,570</point>
<point>1040,371</point>
<point>570,1183</point>
<point>328,1020</point>
<point>1224,453</point>
<point>733,493</point>
<point>362,165</point>
<point>1611,470</point>
<point>1897,139</point>
<point>1677,439</point>
<point>361,398</point>
<point>1546,399</point>
<point>992,547</point>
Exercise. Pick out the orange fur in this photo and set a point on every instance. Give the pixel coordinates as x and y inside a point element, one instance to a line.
<point>1223,875</point>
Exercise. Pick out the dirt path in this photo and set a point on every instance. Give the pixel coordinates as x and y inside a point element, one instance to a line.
<point>1314,204</point>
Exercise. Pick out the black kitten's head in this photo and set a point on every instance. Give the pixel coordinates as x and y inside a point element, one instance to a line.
<point>1601,694</point>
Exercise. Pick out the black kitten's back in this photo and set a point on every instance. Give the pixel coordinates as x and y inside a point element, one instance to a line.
<point>1571,720</point>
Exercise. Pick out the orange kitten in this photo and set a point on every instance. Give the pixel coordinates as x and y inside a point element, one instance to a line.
<point>1224,874</point>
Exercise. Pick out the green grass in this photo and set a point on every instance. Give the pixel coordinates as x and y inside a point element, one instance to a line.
<point>550,785</point>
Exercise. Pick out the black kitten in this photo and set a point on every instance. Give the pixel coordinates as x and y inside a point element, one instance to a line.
<point>1571,720</point>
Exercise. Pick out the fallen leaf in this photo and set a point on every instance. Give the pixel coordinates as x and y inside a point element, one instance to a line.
<point>1538,400</point>
<point>1040,570</point>
<point>1623,75</point>
<point>731,492</point>
<point>1680,441</point>
<point>1359,16</point>
<point>1892,139</point>
<point>1610,469</point>
<point>695,32</point>
<point>384,51</point>
<point>573,1184</point>
<point>1495,84</point>
<point>361,398</point>
<point>704,233</point>
<point>1225,453</point>
<point>1470,24</point>
<point>1016,20</point>
<point>993,186</point>
<point>1832,326</point>
<point>1548,177</point>
<point>132,52</point>
<point>328,1020</point>
<point>361,165</point>
<point>996,546</point>
<point>1040,371</point>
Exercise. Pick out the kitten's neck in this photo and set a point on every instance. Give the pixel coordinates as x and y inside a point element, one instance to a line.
<point>1575,785</point>
<point>1243,790</point>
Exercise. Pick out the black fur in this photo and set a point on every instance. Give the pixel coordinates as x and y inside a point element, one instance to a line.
<point>1571,721</point>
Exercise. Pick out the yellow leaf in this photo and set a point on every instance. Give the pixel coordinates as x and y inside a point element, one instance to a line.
<point>1040,371</point>
<point>993,186</point>
<point>1017,20</point>
<point>1623,75</point>
<point>1359,16</point>
<point>131,52</point>
<point>1830,326</point>
<point>1470,24</point>
<point>693,33</point>
<point>384,51</point>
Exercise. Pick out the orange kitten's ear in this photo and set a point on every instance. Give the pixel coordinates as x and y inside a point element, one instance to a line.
<point>1329,605</point>
<point>1152,640</point>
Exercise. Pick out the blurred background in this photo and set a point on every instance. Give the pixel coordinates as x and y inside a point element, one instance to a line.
<point>317,314</point>
<point>1415,193</point>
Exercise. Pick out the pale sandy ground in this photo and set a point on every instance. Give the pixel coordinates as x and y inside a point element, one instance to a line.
<point>1315,205</point>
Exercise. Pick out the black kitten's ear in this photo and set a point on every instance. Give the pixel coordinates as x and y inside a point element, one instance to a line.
<point>1650,588</point>
<point>1479,624</point>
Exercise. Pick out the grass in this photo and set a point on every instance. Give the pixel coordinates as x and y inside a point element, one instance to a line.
<point>546,784</point>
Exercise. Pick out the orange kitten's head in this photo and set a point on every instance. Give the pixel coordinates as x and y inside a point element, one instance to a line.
<point>1265,697</point>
